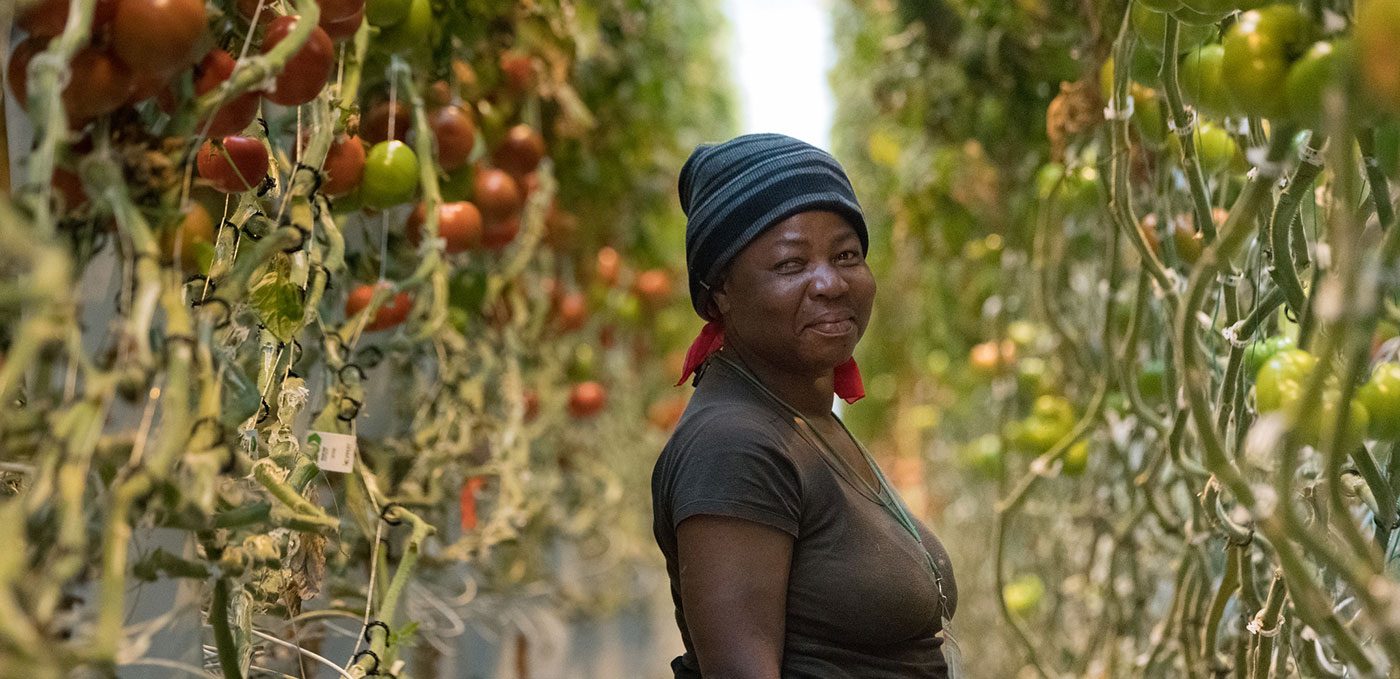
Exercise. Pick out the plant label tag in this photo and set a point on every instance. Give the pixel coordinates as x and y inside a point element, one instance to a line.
<point>334,452</point>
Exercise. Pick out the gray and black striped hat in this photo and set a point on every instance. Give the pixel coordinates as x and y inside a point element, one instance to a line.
<point>731,192</point>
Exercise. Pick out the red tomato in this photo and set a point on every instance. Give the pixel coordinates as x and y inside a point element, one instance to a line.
<point>393,312</point>
<point>438,94</point>
<point>70,190</point>
<point>499,233</point>
<point>529,184</point>
<point>458,223</point>
<point>609,266</point>
<point>496,194</point>
<point>182,242</point>
<point>159,36</point>
<point>587,399</point>
<point>18,70</point>
<point>653,288</point>
<point>147,85</point>
<point>343,29</point>
<point>560,227</point>
<point>307,71</point>
<point>664,413</point>
<point>375,125</point>
<point>338,10</point>
<point>521,151</point>
<point>98,84</point>
<point>468,501</point>
<point>250,7</point>
<point>47,17</point>
<point>233,116</point>
<point>572,312</point>
<point>237,164</point>
<point>518,69</point>
<point>455,135</point>
<point>344,166</point>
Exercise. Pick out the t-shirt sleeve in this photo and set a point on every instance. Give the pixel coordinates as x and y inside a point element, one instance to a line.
<point>728,471</point>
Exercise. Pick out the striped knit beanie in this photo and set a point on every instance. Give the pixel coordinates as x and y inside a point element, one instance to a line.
<point>732,192</point>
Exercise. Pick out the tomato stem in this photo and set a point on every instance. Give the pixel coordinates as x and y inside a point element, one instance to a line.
<point>1185,129</point>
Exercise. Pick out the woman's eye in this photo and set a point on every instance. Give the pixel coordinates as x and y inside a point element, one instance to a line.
<point>849,256</point>
<point>789,265</point>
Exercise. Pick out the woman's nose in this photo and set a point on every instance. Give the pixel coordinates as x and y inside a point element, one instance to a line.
<point>827,281</point>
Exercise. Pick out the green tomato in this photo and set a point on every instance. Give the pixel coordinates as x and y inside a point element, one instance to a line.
<point>1054,409</point>
<point>1257,353</point>
<point>1202,80</point>
<point>1376,26</point>
<point>1381,396</point>
<point>385,13</point>
<point>1280,380</point>
<point>1076,191</point>
<point>982,456</point>
<point>458,185</point>
<point>1148,115</point>
<point>1326,69</point>
<point>1146,71</point>
<point>1259,48</point>
<point>1316,428</point>
<point>467,291</point>
<point>1076,459</point>
<point>1032,374</point>
<point>410,33</point>
<point>1023,595</point>
<point>391,175</point>
<point>1161,5</point>
<point>1151,379</point>
<point>1151,27</point>
<point>582,365</point>
<point>1215,149</point>
<point>1219,9</point>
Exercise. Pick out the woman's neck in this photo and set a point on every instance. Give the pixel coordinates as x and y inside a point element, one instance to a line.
<point>811,395</point>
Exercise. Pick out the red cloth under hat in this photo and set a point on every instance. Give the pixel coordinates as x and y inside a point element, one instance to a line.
<point>847,375</point>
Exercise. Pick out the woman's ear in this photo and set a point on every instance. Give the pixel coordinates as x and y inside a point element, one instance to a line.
<point>720,304</point>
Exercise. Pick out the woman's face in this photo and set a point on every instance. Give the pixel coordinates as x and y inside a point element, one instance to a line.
<point>800,294</point>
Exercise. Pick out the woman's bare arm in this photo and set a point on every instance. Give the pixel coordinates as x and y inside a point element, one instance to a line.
<point>733,582</point>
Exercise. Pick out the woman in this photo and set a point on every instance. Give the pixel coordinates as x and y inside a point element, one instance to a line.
<point>788,553</point>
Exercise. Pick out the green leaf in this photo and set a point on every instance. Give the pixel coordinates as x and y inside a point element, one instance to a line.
<point>279,303</point>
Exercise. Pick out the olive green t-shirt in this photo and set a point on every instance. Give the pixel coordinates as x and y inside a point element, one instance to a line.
<point>861,600</point>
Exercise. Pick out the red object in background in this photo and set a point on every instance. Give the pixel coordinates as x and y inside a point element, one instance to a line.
<point>468,500</point>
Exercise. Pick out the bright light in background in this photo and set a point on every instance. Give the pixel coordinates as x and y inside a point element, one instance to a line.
<point>781,57</point>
